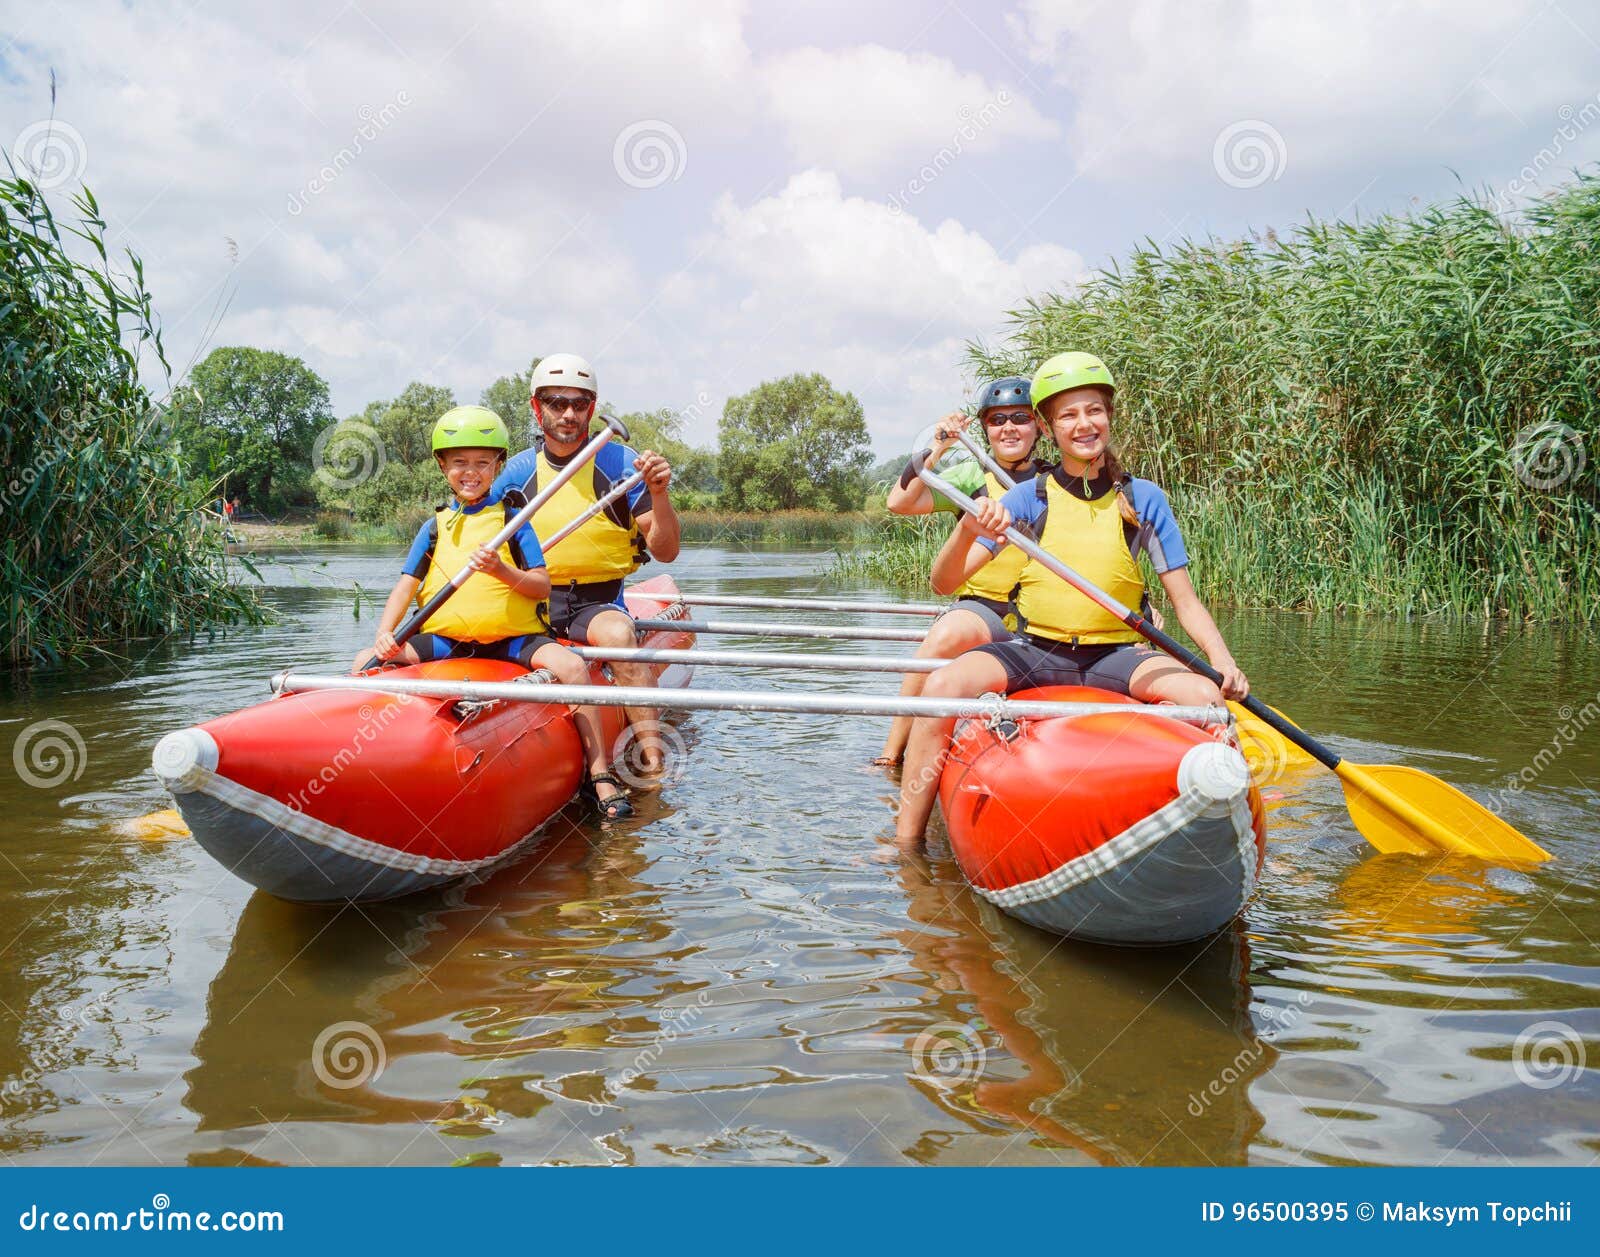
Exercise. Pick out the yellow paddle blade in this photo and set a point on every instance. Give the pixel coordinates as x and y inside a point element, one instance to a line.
<point>163,826</point>
<point>1406,809</point>
<point>1266,750</point>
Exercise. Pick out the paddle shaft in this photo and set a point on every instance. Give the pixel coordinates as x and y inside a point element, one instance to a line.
<point>1137,623</point>
<point>985,459</point>
<point>414,622</point>
<point>622,487</point>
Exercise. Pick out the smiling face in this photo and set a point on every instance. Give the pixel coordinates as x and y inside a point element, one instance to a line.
<point>563,415</point>
<point>1080,421</point>
<point>470,471</point>
<point>1012,432</point>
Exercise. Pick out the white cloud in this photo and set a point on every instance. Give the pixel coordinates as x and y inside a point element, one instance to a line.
<point>1361,84</point>
<point>870,110</point>
<point>872,297</point>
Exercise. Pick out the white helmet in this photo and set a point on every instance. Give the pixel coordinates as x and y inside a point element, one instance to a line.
<point>568,369</point>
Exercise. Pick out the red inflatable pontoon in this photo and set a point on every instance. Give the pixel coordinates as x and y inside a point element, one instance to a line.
<point>342,796</point>
<point>1119,829</point>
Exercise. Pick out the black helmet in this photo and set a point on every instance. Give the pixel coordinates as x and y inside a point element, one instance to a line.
<point>1011,391</point>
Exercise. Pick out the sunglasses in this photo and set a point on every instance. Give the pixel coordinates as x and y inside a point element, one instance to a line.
<point>1021,419</point>
<point>567,401</point>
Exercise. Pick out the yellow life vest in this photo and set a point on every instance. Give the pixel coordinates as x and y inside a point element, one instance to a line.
<point>997,579</point>
<point>1087,537</point>
<point>604,548</point>
<point>484,609</point>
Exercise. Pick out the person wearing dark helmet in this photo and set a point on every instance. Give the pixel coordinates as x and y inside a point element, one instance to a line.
<point>985,608</point>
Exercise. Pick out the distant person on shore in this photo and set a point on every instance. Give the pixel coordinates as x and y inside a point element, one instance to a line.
<point>588,568</point>
<point>1098,520</point>
<point>500,612</point>
<point>985,609</point>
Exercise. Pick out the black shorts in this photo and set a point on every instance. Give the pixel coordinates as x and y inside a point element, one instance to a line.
<point>573,607</point>
<point>1032,661</point>
<point>435,646</point>
<point>1000,618</point>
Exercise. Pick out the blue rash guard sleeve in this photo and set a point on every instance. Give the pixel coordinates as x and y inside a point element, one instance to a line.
<point>528,543</point>
<point>1025,507</point>
<point>514,474</point>
<point>421,553</point>
<point>1158,535</point>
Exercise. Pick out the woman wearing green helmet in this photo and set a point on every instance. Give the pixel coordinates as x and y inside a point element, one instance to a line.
<point>985,609</point>
<point>501,612</point>
<point>1098,520</point>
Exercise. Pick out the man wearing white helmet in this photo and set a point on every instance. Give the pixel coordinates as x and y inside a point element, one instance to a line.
<point>588,568</point>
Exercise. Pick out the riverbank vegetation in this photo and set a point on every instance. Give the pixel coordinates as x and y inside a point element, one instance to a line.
<point>105,541</point>
<point>1400,414</point>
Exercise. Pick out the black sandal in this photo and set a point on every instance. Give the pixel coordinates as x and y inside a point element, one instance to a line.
<point>617,807</point>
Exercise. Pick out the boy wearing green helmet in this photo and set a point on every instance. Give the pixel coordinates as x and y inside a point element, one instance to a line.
<point>985,609</point>
<point>501,611</point>
<point>1098,520</point>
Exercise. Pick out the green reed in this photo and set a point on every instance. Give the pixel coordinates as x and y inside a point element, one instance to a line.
<point>104,541</point>
<point>779,528</point>
<point>1397,415</point>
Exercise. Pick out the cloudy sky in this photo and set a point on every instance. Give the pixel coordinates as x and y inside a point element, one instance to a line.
<point>702,196</point>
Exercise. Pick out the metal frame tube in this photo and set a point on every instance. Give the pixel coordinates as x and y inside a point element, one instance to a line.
<point>754,628</point>
<point>800,604</point>
<point>987,708</point>
<point>758,659</point>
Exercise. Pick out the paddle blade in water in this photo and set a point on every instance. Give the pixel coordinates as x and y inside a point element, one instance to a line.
<point>1406,809</point>
<point>163,826</point>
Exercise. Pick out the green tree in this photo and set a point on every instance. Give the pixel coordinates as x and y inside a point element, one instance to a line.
<point>694,468</point>
<point>508,398</point>
<point>793,443</point>
<point>251,416</point>
<point>406,426</point>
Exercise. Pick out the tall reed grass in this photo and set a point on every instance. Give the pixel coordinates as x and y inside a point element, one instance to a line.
<point>104,541</point>
<point>1400,415</point>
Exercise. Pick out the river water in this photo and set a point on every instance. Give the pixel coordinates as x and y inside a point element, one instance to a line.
<point>748,972</point>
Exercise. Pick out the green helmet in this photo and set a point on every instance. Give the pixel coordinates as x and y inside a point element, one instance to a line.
<point>470,428</point>
<point>1068,371</point>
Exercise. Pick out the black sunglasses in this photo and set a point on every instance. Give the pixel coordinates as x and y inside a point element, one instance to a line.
<point>566,401</point>
<point>991,420</point>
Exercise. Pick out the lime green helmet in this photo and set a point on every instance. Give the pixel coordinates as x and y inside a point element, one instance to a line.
<point>1069,371</point>
<point>470,428</point>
